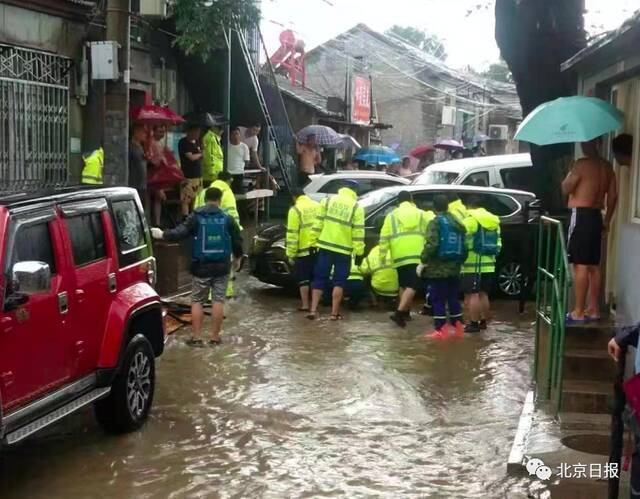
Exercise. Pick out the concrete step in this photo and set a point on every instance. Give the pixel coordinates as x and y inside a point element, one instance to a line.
<point>594,336</point>
<point>593,397</point>
<point>589,365</point>
<point>579,421</point>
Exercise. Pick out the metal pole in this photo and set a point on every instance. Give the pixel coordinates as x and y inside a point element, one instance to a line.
<point>227,97</point>
<point>116,122</point>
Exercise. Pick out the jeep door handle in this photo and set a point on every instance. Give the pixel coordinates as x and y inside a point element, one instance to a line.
<point>63,302</point>
<point>80,295</point>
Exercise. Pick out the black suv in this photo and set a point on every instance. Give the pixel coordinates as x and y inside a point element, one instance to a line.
<point>515,208</point>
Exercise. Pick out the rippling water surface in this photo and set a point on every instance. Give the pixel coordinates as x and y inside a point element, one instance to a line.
<point>293,408</point>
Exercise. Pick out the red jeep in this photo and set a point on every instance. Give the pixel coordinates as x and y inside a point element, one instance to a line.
<point>80,321</point>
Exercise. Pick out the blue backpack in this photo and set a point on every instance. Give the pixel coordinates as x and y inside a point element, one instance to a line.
<point>485,242</point>
<point>451,244</point>
<point>212,242</point>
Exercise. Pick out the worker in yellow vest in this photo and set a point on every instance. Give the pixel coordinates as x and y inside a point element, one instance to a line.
<point>228,205</point>
<point>383,277</point>
<point>93,166</point>
<point>484,243</point>
<point>402,240</point>
<point>300,252</point>
<point>457,208</point>
<point>213,156</point>
<point>339,236</point>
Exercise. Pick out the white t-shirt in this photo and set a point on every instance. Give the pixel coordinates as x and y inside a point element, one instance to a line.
<point>252,142</point>
<point>237,156</point>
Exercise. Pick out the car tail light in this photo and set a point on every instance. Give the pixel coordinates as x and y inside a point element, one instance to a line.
<point>152,275</point>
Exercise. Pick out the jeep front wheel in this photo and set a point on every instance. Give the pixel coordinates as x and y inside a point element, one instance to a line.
<point>127,406</point>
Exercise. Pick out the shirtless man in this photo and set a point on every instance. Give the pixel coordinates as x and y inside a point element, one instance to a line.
<point>309,157</point>
<point>590,185</point>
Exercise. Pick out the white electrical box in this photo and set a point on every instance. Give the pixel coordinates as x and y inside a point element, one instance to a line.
<point>499,132</point>
<point>104,61</point>
<point>153,8</point>
<point>449,116</point>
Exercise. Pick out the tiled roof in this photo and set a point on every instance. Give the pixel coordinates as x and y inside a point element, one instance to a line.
<point>305,95</point>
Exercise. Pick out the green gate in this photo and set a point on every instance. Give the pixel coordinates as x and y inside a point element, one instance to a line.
<point>554,281</point>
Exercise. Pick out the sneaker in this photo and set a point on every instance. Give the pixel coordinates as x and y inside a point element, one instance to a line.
<point>398,318</point>
<point>483,325</point>
<point>473,327</point>
<point>458,329</point>
<point>438,334</point>
<point>407,315</point>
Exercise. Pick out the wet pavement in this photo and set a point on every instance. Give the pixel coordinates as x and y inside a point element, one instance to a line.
<point>287,407</point>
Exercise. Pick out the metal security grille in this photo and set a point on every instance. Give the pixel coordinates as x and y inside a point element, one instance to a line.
<point>34,119</point>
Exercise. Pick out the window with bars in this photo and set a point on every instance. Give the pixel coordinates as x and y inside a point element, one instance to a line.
<point>34,118</point>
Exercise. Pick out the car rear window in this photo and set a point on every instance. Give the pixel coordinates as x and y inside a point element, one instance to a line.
<point>132,244</point>
<point>436,177</point>
<point>498,204</point>
<point>87,238</point>
<point>518,178</point>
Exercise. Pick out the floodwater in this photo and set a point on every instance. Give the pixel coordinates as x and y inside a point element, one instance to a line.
<point>293,408</point>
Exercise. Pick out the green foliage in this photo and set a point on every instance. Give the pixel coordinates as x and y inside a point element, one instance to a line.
<point>201,24</point>
<point>431,44</point>
<point>499,72</point>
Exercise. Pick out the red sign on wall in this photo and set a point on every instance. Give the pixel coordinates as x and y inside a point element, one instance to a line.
<point>361,100</point>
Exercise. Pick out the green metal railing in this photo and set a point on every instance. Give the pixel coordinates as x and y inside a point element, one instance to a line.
<point>553,284</point>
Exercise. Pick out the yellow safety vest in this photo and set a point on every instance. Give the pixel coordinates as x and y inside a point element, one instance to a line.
<point>93,165</point>
<point>384,277</point>
<point>300,222</point>
<point>458,210</point>
<point>403,234</point>
<point>476,218</point>
<point>355,274</point>
<point>339,226</point>
<point>227,203</point>
<point>213,157</point>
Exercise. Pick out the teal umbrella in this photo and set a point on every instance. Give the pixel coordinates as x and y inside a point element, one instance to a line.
<point>569,119</point>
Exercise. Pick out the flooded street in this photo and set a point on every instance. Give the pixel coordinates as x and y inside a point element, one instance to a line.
<point>293,408</point>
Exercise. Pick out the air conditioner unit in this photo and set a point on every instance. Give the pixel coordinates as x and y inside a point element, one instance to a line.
<point>449,116</point>
<point>499,132</point>
<point>153,8</point>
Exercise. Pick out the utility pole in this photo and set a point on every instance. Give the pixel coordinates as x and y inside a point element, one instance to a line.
<point>116,116</point>
<point>227,96</point>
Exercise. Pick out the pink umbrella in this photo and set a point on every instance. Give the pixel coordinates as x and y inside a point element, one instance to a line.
<point>449,145</point>
<point>419,151</point>
<point>152,114</point>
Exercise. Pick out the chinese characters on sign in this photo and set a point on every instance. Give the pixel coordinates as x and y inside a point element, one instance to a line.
<point>593,471</point>
<point>361,100</point>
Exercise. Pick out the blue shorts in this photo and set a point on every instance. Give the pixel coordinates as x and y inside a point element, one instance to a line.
<point>327,260</point>
<point>304,269</point>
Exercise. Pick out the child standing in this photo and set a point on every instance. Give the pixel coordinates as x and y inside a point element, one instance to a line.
<point>442,258</point>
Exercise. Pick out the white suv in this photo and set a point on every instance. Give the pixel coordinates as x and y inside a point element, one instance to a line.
<point>510,171</point>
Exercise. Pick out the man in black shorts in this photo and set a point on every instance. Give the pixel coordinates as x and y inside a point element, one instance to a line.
<point>484,243</point>
<point>591,186</point>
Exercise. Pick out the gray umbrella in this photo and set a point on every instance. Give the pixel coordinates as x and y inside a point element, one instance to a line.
<point>325,136</point>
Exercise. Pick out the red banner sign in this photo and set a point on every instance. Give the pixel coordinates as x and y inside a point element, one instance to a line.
<point>361,100</point>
